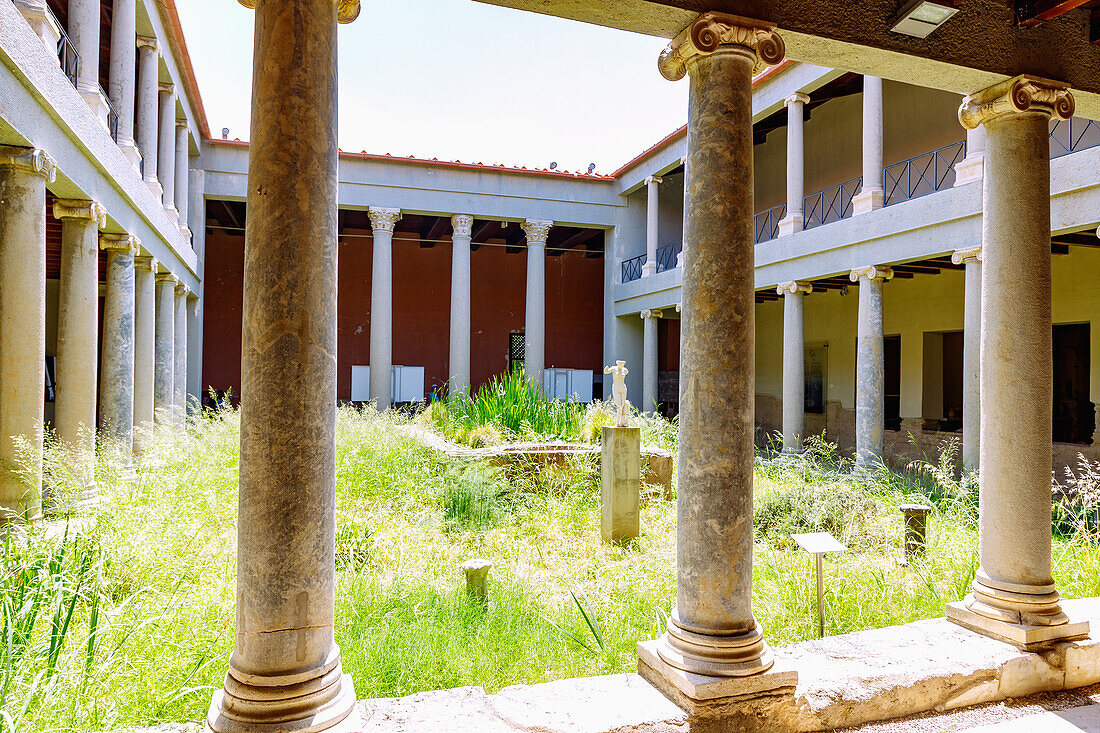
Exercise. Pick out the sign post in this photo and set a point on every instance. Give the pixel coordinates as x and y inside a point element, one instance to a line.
<point>817,544</point>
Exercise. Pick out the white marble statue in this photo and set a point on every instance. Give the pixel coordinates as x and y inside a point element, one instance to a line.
<point>618,392</point>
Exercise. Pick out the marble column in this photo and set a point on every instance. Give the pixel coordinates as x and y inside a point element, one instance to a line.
<point>649,360</point>
<point>872,195</point>
<point>148,110</point>
<point>77,326</point>
<point>652,220</point>
<point>972,355</point>
<point>285,673</point>
<point>381,305</point>
<point>182,166</point>
<point>1013,596</point>
<point>461,236</point>
<point>166,153</point>
<point>84,34</point>
<point>971,168</point>
<point>164,348</point>
<point>24,173</point>
<point>796,156</point>
<point>712,632</point>
<point>794,363</point>
<point>116,378</point>
<point>179,369</point>
<point>534,339</point>
<point>123,75</point>
<point>145,318</point>
<point>870,368</point>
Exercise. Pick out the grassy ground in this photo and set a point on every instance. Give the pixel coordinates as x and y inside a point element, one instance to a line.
<point>149,576</point>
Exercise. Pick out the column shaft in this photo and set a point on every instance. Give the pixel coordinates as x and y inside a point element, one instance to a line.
<point>972,355</point>
<point>652,221</point>
<point>649,360</point>
<point>381,306</point>
<point>794,220</point>
<point>145,317</point>
<point>872,194</point>
<point>166,153</point>
<point>123,76</point>
<point>794,358</point>
<point>179,370</point>
<point>148,114</point>
<point>183,158</point>
<point>165,348</point>
<point>870,368</point>
<point>116,380</point>
<point>534,346</point>
<point>84,34</point>
<point>460,303</point>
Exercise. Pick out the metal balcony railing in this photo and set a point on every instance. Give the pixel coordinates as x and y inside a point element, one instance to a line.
<point>1069,136</point>
<point>632,268</point>
<point>666,256</point>
<point>766,223</point>
<point>66,51</point>
<point>922,174</point>
<point>832,204</point>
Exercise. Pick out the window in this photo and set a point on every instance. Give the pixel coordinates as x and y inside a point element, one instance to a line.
<point>516,350</point>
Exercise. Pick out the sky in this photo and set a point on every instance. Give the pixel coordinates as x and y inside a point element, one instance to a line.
<point>460,80</point>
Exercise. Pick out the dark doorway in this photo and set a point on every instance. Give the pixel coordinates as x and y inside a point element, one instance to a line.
<point>952,382</point>
<point>1074,416</point>
<point>892,358</point>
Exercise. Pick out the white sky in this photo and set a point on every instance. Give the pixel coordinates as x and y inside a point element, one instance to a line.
<point>457,79</point>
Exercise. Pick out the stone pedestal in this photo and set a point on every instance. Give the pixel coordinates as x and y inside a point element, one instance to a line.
<point>381,305</point>
<point>534,345</point>
<point>621,483</point>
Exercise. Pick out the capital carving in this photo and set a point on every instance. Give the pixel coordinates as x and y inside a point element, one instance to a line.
<point>182,291</point>
<point>871,272</point>
<point>123,243</point>
<point>794,287</point>
<point>537,232</point>
<point>1016,96</point>
<point>167,88</point>
<point>712,30</point>
<point>462,225</point>
<point>796,98</point>
<point>383,220</point>
<point>346,10</point>
<point>653,179</point>
<point>181,124</point>
<point>80,209</point>
<point>968,255</point>
<point>29,160</point>
<point>148,42</point>
<point>146,262</point>
<point>167,277</point>
<point>651,313</point>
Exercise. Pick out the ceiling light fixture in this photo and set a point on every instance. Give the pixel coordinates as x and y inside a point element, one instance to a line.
<point>918,18</point>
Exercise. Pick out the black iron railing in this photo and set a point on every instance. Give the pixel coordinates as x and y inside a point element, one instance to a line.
<point>832,204</point>
<point>922,174</point>
<point>112,116</point>
<point>66,52</point>
<point>1069,136</point>
<point>666,256</point>
<point>766,223</point>
<point>632,268</point>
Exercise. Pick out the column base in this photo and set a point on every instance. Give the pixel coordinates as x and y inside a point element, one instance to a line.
<point>186,232</point>
<point>98,104</point>
<point>969,170</point>
<point>155,188</point>
<point>258,709</point>
<point>173,214</point>
<point>867,200</point>
<point>130,150</point>
<point>649,269</point>
<point>42,22</point>
<point>790,224</point>
<point>1028,637</point>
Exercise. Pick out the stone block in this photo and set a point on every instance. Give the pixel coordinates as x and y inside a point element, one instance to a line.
<point>657,469</point>
<point>620,468</point>
<point>1022,635</point>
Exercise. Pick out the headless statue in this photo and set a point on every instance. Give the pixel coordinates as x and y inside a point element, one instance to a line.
<point>618,392</point>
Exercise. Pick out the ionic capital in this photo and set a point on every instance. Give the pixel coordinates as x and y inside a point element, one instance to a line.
<point>148,42</point>
<point>1016,96</point>
<point>462,225</point>
<point>537,232</point>
<point>146,262</point>
<point>967,256</point>
<point>123,243</point>
<point>796,98</point>
<point>29,160</point>
<point>346,10</point>
<point>794,287</point>
<point>651,313</point>
<point>167,88</point>
<point>167,277</point>
<point>712,30</point>
<point>871,272</point>
<point>182,291</point>
<point>181,123</point>
<point>383,220</point>
<point>650,180</point>
<point>80,209</point>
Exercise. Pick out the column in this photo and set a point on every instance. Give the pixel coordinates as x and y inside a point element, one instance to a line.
<point>164,346</point>
<point>179,370</point>
<point>116,379</point>
<point>1013,596</point>
<point>796,193</point>
<point>382,222</point>
<point>24,173</point>
<point>972,354</point>
<point>461,236</point>
<point>872,195</point>
<point>649,360</point>
<point>166,154</point>
<point>870,368</point>
<point>534,339</point>
<point>77,326</point>
<point>970,168</point>
<point>145,318</point>
<point>284,673</point>
<point>84,34</point>
<point>148,114</point>
<point>794,364</point>
<point>711,631</point>
<point>123,76</point>
<point>652,232</point>
<point>183,164</point>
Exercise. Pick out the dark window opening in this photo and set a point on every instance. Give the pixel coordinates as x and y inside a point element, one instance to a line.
<point>516,350</point>
<point>892,402</point>
<point>1074,414</point>
<point>952,419</point>
<point>816,369</point>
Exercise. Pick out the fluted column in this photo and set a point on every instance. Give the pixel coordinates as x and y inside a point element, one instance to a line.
<point>972,355</point>
<point>712,631</point>
<point>649,360</point>
<point>145,318</point>
<point>166,154</point>
<point>872,195</point>
<point>534,339</point>
<point>84,34</point>
<point>148,110</point>
<point>116,379</point>
<point>794,363</point>
<point>870,367</point>
<point>461,236</point>
<point>971,168</point>
<point>381,305</point>
<point>1013,596</point>
<point>165,348</point>
<point>182,167</point>
<point>652,220</point>
<point>284,673</point>
<point>796,157</point>
<point>24,173</point>
<point>77,324</point>
<point>179,370</point>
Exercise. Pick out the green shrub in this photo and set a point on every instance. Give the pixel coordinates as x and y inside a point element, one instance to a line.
<point>813,507</point>
<point>473,497</point>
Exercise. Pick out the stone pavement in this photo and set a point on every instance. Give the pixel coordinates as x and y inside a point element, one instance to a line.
<point>1075,720</point>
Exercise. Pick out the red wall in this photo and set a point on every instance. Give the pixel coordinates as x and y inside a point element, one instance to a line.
<point>668,345</point>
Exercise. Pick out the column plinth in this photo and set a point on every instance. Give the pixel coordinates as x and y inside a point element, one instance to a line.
<point>461,236</point>
<point>116,382</point>
<point>649,360</point>
<point>41,21</point>
<point>147,120</point>
<point>652,232</point>
<point>381,305</point>
<point>971,168</point>
<point>145,318</point>
<point>872,194</point>
<point>794,358</point>
<point>534,355</point>
<point>84,25</point>
<point>165,348</point>
<point>793,221</point>
<point>972,354</point>
<point>870,368</point>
